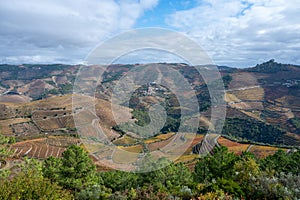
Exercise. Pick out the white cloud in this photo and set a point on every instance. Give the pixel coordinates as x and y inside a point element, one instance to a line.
<point>242,33</point>
<point>62,30</point>
<point>148,4</point>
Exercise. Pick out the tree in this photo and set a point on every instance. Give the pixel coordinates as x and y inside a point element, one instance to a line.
<point>291,183</point>
<point>294,163</point>
<point>246,169</point>
<point>282,162</point>
<point>218,165</point>
<point>4,146</point>
<point>167,176</point>
<point>4,153</point>
<point>119,180</point>
<point>94,192</point>
<point>52,167</point>
<point>268,187</point>
<point>246,172</point>
<point>78,169</point>
<point>227,185</point>
<point>74,171</point>
<point>30,184</point>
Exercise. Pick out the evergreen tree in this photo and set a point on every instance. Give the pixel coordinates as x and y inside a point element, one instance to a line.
<point>74,171</point>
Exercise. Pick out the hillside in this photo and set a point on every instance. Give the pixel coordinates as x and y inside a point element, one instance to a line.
<point>35,81</point>
<point>263,111</point>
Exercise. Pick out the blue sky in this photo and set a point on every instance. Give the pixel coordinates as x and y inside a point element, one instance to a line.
<point>238,33</point>
<point>154,17</point>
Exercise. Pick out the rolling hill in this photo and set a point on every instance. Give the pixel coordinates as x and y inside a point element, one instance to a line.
<point>262,103</point>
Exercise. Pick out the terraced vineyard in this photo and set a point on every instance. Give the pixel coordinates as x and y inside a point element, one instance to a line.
<point>6,125</point>
<point>43,147</point>
<point>291,139</point>
<point>25,129</point>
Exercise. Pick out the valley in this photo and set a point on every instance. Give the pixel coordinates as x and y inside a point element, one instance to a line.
<point>262,113</point>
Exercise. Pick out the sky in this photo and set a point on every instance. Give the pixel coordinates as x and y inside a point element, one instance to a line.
<point>237,33</point>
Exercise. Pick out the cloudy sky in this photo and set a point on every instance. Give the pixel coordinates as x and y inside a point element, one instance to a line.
<point>237,33</point>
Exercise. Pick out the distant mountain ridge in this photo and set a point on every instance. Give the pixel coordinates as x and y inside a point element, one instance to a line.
<point>270,67</point>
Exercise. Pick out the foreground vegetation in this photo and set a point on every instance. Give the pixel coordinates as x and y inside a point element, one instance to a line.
<point>222,175</point>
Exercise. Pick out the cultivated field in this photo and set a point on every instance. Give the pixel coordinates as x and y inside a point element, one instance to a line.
<point>242,79</point>
<point>233,146</point>
<point>158,138</point>
<point>263,151</point>
<point>6,125</point>
<point>125,140</point>
<point>250,94</point>
<point>43,147</point>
